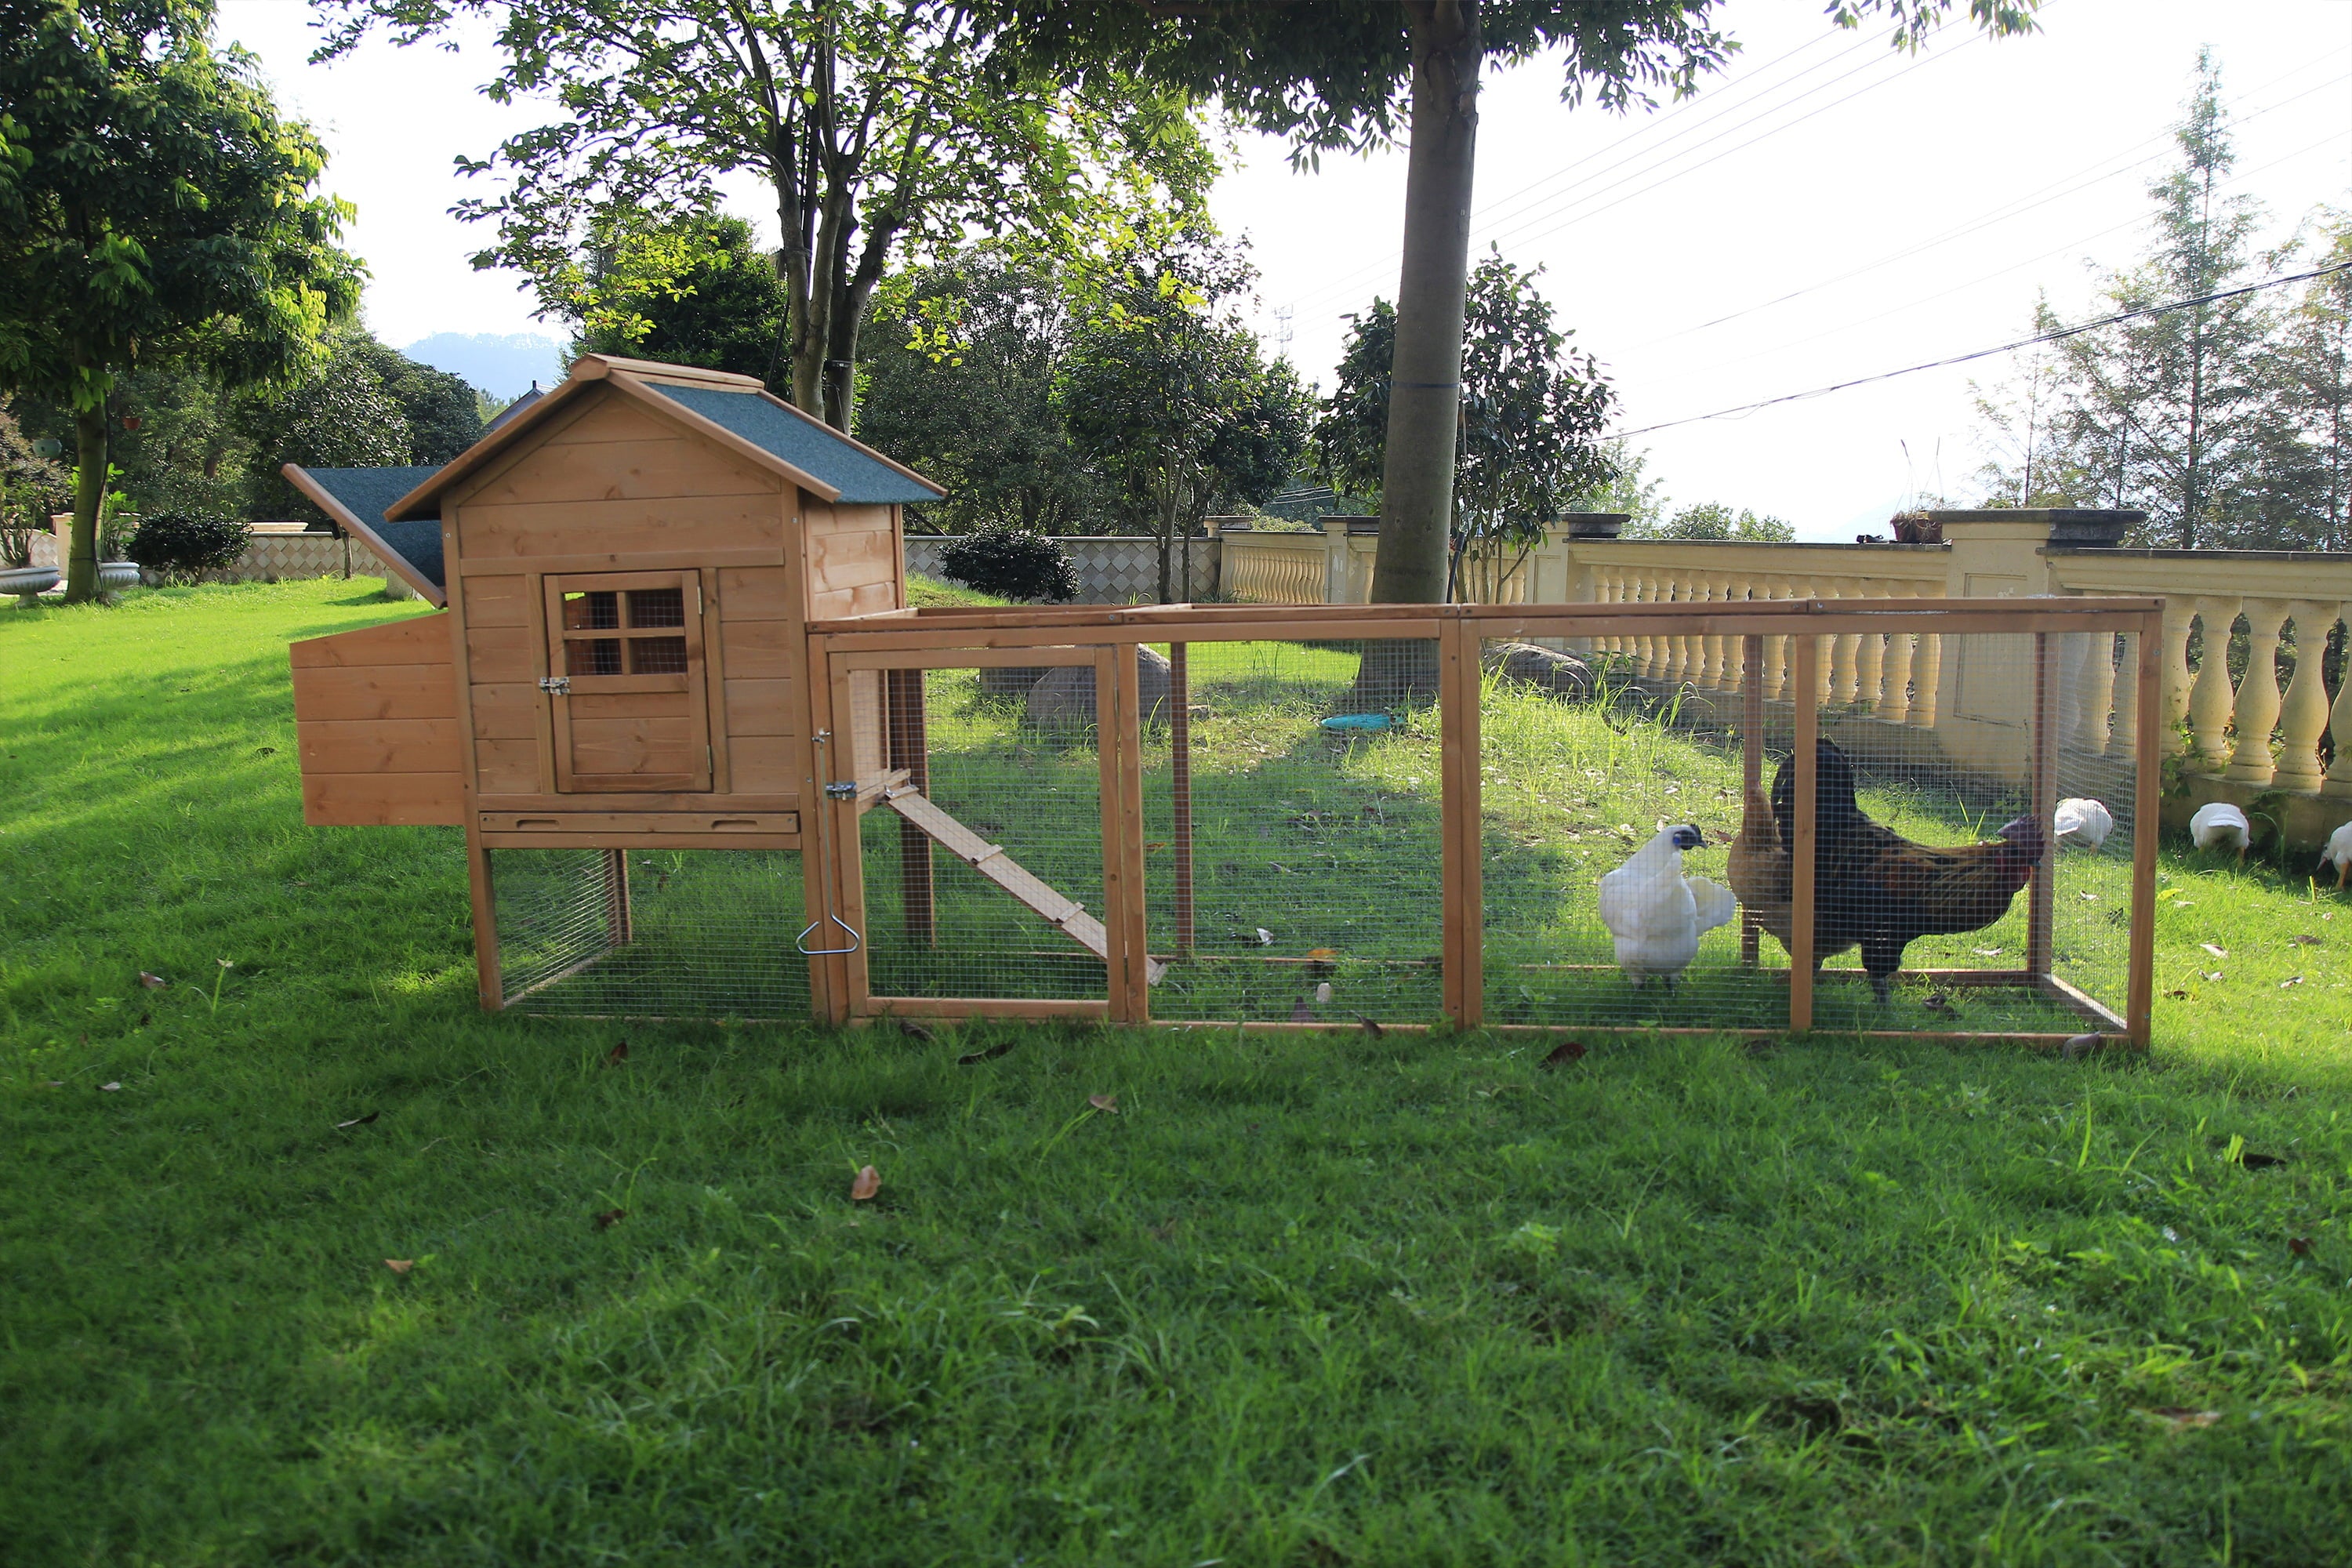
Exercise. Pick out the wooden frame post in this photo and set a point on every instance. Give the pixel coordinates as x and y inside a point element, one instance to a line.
<point>910,747</point>
<point>1126,915</point>
<point>2147,798</point>
<point>1805,660</point>
<point>2039,912</point>
<point>1751,769</point>
<point>1180,739</point>
<point>1462,805</point>
<point>484,892</point>
<point>620,920</point>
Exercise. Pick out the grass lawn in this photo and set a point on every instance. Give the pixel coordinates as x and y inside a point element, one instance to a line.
<point>1301,1299</point>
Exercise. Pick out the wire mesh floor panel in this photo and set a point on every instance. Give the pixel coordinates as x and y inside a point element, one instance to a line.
<point>672,933</point>
<point>1024,778</point>
<point>1316,852</point>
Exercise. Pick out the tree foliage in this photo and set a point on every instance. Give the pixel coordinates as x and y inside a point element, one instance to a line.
<point>878,126</point>
<point>154,203</point>
<point>962,389</point>
<point>1166,392</point>
<point>685,291</point>
<point>1529,438</point>
<point>1713,520</point>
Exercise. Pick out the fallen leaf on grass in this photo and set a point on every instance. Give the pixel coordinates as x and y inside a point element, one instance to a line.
<point>358,1121</point>
<point>2216,952</point>
<point>617,1054</point>
<point>2177,996</point>
<point>1986,951</point>
<point>1323,994</point>
<point>1001,1047</point>
<point>1565,1052</point>
<point>869,1182</point>
<point>2300,1245</point>
<point>1155,843</point>
<point>2080,1046</point>
<point>107,1087</point>
<point>1370,1027</point>
<point>2291,980</point>
<point>2306,940</point>
<point>2209,974</point>
<point>2088,898</point>
<point>610,1218</point>
<point>1937,1002</point>
<point>400,1265</point>
<point>142,1020</point>
<point>2167,893</point>
<point>153,982</point>
<point>2253,1161</point>
<point>1265,937</point>
<point>915,1031</point>
<point>1300,1013</point>
<point>2180,1417</point>
<point>1106,1103</point>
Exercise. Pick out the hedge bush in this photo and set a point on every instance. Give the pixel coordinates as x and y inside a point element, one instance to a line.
<point>1012,562</point>
<point>185,543</point>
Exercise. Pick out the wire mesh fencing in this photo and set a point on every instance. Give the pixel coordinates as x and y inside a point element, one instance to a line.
<point>666,934</point>
<point>1294,817</point>
<point>984,869</point>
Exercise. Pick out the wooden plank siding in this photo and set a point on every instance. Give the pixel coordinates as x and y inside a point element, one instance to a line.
<point>375,721</point>
<point>762,694</point>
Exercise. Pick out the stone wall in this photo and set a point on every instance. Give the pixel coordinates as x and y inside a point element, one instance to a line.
<point>1115,569</point>
<point>275,557</point>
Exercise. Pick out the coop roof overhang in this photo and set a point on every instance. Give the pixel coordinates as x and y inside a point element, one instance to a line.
<point>355,498</point>
<point>735,412</point>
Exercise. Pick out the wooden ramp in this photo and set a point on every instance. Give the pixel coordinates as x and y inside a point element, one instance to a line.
<point>990,860</point>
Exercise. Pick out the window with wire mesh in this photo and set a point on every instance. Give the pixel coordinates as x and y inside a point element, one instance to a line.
<point>1631,877</point>
<point>1316,845</point>
<point>667,933</point>
<point>970,880</point>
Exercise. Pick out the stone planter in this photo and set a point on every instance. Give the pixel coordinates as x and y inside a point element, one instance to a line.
<point>1596,525</point>
<point>26,581</point>
<point>118,574</point>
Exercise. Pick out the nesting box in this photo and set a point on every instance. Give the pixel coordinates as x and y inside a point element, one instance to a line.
<point>627,566</point>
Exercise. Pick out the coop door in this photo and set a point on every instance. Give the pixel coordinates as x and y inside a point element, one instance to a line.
<point>626,681</point>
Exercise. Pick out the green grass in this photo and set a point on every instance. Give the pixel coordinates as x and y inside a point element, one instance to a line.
<point>1306,1300</point>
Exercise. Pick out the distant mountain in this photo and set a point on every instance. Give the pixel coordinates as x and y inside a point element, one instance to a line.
<point>502,366</point>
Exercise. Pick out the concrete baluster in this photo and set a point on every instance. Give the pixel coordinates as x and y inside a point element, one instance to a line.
<point>2257,710</point>
<point>2093,690</point>
<point>2210,697</point>
<point>1843,647</point>
<point>1927,679</point>
<point>1709,655</point>
<point>1869,659</point>
<point>1776,648</point>
<point>1735,649</point>
<point>1645,647</point>
<point>2302,717</point>
<point>2339,773</point>
<point>2178,683</point>
<point>1676,660</point>
<point>2124,680</point>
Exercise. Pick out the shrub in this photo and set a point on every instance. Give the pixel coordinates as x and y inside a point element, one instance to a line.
<point>1012,563</point>
<point>185,543</point>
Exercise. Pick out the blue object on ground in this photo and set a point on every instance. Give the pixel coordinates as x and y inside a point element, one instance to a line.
<point>1358,721</point>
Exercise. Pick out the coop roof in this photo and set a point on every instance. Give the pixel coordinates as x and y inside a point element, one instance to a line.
<point>357,499</point>
<point>732,411</point>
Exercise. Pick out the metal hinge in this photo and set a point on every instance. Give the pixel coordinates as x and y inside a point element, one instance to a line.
<point>559,684</point>
<point>844,790</point>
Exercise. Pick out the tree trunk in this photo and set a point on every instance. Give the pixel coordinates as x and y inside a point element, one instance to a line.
<point>1425,377</point>
<point>89,495</point>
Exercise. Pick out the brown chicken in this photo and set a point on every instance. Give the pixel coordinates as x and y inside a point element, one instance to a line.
<point>1871,884</point>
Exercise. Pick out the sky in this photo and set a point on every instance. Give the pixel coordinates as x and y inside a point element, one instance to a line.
<point>1825,209</point>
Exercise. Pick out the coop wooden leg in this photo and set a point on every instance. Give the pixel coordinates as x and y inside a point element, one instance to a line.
<point>620,921</point>
<point>910,749</point>
<point>486,921</point>
<point>1751,766</point>
<point>2045,803</point>
<point>2140,993</point>
<point>1180,726</point>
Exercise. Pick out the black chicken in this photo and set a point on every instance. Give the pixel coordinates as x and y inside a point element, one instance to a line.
<point>1875,888</point>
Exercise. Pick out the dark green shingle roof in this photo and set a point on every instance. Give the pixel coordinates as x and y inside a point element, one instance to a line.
<point>812,448</point>
<point>370,492</point>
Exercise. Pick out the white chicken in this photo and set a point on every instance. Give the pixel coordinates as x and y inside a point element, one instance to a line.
<point>2338,854</point>
<point>2218,825</point>
<point>2083,822</point>
<point>1656,913</point>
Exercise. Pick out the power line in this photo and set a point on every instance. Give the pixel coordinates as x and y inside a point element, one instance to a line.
<point>2062,332</point>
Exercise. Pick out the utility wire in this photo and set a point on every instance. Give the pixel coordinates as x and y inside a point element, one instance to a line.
<point>2062,332</point>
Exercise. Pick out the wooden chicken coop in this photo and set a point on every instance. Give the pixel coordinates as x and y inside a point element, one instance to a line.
<point>708,763</point>
<point>628,565</point>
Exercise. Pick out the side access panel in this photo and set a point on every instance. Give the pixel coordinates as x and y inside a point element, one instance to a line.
<point>375,718</point>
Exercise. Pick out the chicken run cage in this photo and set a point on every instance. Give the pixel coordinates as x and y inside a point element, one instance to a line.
<point>1193,815</point>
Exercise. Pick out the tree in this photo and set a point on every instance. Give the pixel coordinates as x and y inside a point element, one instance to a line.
<point>877,124</point>
<point>687,290</point>
<point>1713,520</point>
<point>31,487</point>
<point>1351,76</point>
<point>1527,443</point>
<point>961,390</point>
<point>155,203</point>
<point>1167,394</point>
<point>2306,371</point>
